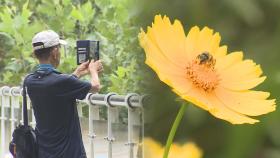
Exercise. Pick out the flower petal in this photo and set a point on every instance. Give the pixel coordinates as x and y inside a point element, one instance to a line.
<point>220,52</point>
<point>211,103</point>
<point>247,102</point>
<point>228,60</point>
<point>205,36</point>
<point>169,73</point>
<point>242,70</point>
<point>222,112</point>
<point>197,97</point>
<point>155,58</point>
<point>170,39</point>
<point>243,85</point>
<point>191,42</point>
<point>191,150</point>
<point>241,76</point>
<point>201,41</point>
<point>207,41</point>
<point>255,94</point>
<point>152,148</point>
<point>181,84</point>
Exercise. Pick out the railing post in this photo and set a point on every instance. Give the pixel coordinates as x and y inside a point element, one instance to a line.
<point>5,103</point>
<point>142,122</point>
<point>91,134</point>
<point>14,105</point>
<point>93,115</point>
<point>110,115</point>
<point>133,119</point>
<point>142,132</point>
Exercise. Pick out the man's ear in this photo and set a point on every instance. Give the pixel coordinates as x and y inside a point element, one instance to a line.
<point>54,53</point>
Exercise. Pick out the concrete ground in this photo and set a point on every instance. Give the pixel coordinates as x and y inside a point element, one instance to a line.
<point>120,150</point>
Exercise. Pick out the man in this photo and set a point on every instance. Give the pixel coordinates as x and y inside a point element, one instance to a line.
<point>53,96</point>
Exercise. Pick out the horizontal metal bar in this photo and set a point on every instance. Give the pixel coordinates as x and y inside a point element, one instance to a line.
<point>131,100</point>
<point>16,91</point>
<point>10,91</point>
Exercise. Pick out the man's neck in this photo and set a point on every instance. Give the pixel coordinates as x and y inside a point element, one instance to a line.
<point>46,62</point>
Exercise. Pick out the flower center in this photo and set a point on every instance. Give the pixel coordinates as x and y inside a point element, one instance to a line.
<point>202,73</point>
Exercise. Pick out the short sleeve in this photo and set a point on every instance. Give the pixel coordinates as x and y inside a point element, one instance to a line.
<point>72,87</point>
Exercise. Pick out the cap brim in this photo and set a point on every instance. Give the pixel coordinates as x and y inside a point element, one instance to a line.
<point>63,42</point>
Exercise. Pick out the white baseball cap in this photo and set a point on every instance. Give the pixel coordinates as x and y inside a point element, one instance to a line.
<point>46,39</point>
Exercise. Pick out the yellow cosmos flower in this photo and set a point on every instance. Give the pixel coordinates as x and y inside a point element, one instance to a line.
<point>153,149</point>
<point>199,70</point>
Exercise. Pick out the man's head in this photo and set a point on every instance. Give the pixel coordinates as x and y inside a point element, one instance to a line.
<point>46,47</point>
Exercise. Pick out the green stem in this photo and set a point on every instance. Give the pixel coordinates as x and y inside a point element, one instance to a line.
<point>174,129</point>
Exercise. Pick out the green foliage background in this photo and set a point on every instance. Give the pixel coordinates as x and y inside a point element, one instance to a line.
<point>252,26</point>
<point>106,20</point>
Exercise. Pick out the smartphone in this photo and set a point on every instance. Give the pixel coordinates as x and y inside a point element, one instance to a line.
<point>87,50</point>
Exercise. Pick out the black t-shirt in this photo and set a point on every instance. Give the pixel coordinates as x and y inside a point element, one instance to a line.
<point>53,96</point>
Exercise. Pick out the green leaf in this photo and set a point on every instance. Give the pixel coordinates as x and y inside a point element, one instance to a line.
<point>26,13</point>
<point>14,65</point>
<point>44,10</point>
<point>76,14</point>
<point>56,2</point>
<point>68,26</point>
<point>87,10</point>
<point>29,31</point>
<point>18,37</point>
<point>103,4</point>
<point>18,22</point>
<point>121,71</point>
<point>7,21</point>
<point>122,14</point>
<point>66,2</point>
<point>6,42</point>
<point>7,75</point>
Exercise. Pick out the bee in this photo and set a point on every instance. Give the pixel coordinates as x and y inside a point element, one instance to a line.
<point>206,58</point>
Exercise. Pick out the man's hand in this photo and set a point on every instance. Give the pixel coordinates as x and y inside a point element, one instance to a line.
<point>94,68</point>
<point>82,69</point>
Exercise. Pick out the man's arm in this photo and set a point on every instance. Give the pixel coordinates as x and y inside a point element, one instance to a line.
<point>95,83</point>
<point>92,67</point>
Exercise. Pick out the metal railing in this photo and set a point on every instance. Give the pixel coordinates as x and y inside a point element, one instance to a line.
<point>11,116</point>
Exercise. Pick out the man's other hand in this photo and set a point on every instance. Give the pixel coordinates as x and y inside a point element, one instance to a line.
<point>95,66</point>
<point>82,69</point>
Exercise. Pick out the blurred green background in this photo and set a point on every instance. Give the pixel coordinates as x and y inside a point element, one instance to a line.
<point>252,26</point>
